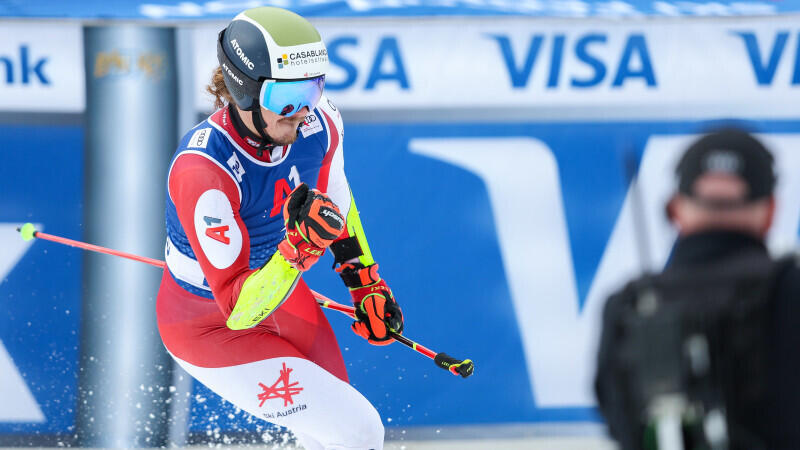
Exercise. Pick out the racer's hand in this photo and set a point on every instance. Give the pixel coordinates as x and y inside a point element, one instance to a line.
<point>312,221</point>
<point>377,312</point>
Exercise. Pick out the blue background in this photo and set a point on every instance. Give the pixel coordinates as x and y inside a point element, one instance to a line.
<point>430,227</point>
<point>41,181</point>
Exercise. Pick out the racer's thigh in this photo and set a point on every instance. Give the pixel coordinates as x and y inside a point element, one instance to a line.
<point>266,374</point>
<point>301,322</point>
<point>194,330</point>
<point>294,392</point>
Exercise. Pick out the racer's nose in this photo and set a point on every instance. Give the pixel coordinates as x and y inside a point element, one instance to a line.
<point>301,113</point>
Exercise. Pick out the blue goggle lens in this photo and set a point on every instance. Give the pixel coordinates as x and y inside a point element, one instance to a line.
<point>288,97</point>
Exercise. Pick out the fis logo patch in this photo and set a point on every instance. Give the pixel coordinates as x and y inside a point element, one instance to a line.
<point>311,125</point>
<point>200,138</point>
<point>236,167</point>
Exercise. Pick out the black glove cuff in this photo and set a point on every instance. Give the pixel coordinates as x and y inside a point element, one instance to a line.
<point>345,250</point>
<point>359,275</point>
<point>296,201</point>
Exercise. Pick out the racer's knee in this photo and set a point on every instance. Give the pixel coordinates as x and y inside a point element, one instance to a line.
<point>362,431</point>
<point>367,431</point>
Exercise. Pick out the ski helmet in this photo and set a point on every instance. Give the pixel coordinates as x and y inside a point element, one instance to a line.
<point>274,58</point>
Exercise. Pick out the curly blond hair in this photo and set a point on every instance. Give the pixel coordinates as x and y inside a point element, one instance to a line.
<point>218,89</point>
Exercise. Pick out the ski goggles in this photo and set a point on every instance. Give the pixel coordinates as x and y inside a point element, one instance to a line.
<point>289,97</point>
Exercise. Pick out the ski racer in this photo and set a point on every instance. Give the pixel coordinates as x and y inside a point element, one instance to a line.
<point>256,193</point>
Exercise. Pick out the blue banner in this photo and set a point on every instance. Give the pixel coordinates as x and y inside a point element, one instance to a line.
<point>41,178</point>
<point>225,9</point>
<point>436,230</point>
<point>457,215</point>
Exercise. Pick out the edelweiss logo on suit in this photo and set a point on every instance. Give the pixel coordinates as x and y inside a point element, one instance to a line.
<point>282,389</point>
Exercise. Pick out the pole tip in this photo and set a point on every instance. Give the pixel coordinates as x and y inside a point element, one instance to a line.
<point>27,231</point>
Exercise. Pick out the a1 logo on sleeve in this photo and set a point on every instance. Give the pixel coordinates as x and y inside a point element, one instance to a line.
<point>217,232</point>
<point>216,229</point>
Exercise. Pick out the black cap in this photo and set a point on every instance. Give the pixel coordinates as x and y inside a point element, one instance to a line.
<point>730,151</point>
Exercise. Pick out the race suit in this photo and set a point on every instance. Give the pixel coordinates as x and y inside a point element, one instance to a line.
<point>224,221</point>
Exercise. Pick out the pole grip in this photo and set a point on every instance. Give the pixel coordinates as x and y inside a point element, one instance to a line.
<point>455,366</point>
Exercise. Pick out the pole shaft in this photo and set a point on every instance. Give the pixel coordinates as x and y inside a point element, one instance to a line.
<point>97,248</point>
<point>322,300</point>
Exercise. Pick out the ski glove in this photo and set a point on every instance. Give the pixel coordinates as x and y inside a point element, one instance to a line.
<point>312,222</point>
<point>377,312</point>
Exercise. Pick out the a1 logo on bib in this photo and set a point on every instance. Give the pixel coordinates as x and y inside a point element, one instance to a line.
<point>311,125</point>
<point>217,230</point>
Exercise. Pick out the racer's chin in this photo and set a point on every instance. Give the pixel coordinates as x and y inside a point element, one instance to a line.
<point>284,130</point>
<point>284,133</point>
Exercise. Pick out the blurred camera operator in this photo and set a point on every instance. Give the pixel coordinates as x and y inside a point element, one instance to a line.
<point>705,354</point>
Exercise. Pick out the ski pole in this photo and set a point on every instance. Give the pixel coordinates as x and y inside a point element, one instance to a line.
<point>28,232</point>
<point>464,367</point>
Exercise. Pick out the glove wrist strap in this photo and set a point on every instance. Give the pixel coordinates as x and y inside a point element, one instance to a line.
<point>357,276</point>
<point>345,250</point>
